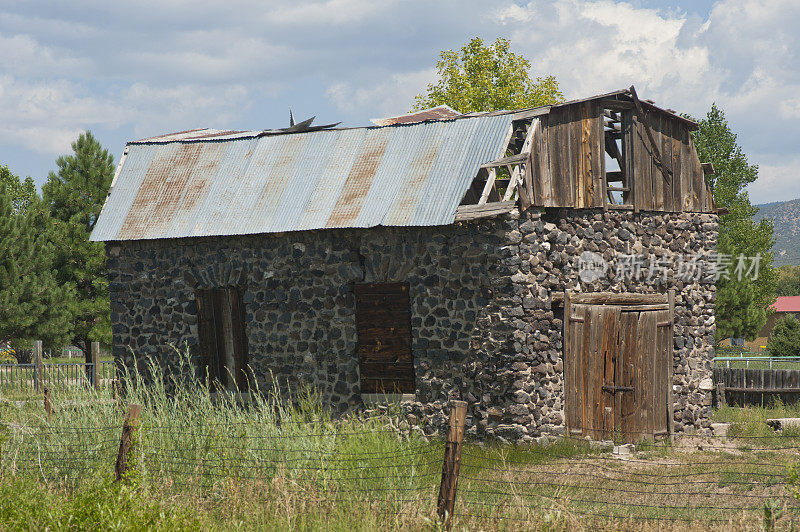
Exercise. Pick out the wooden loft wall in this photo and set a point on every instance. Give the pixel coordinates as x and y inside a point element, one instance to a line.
<point>567,160</point>
<point>678,186</point>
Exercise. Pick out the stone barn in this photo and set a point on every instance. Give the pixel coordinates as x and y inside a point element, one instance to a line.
<point>551,266</point>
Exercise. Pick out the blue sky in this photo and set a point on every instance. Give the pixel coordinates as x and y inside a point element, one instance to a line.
<point>138,69</point>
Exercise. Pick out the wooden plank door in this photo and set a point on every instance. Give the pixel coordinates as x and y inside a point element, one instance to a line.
<point>617,372</point>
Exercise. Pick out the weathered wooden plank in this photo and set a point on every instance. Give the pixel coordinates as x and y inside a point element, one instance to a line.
<point>698,181</point>
<point>569,365</point>
<point>656,171</point>
<point>556,143</point>
<point>597,326</point>
<point>545,198</point>
<point>531,113</point>
<point>663,373</point>
<point>609,348</point>
<point>671,362</point>
<point>571,154</point>
<point>488,187</point>
<point>618,359</point>
<point>526,181</point>
<point>677,168</point>
<point>585,380</point>
<point>380,316</point>
<point>637,157</point>
<point>503,161</point>
<point>207,333</point>
<point>629,322</point>
<point>628,137</point>
<point>388,370</point>
<point>580,138</point>
<point>394,344</point>
<point>614,298</point>
<point>687,183</point>
<point>380,288</point>
<point>239,338</point>
<point>599,158</point>
<point>465,213</point>
<point>666,152</point>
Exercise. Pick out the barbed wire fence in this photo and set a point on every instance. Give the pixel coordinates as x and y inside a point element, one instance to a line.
<point>396,471</point>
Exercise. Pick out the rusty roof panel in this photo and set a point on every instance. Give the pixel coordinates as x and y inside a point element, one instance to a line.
<point>442,112</point>
<point>413,174</point>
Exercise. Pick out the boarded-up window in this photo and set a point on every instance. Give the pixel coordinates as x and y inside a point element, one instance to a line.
<point>222,338</point>
<point>383,319</point>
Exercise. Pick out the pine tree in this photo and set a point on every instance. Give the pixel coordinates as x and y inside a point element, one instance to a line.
<point>75,196</point>
<point>33,304</point>
<point>784,341</point>
<point>21,193</point>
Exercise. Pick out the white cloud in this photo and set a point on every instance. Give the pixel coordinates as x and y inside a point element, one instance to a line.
<point>25,56</point>
<point>146,68</point>
<point>46,116</point>
<point>777,181</point>
<point>328,12</point>
<point>389,97</point>
<point>592,47</point>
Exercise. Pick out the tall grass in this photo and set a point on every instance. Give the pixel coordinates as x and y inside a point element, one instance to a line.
<point>205,460</point>
<point>212,448</point>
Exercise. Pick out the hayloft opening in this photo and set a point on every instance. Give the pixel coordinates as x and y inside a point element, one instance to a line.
<point>619,188</point>
<point>383,323</point>
<point>222,338</point>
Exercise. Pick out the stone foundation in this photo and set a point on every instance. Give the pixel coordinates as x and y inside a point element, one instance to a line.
<point>483,324</point>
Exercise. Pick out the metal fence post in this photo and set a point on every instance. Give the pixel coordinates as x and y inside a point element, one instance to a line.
<point>38,366</point>
<point>452,463</point>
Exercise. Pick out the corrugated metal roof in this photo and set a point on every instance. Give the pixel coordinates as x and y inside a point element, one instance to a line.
<point>212,183</point>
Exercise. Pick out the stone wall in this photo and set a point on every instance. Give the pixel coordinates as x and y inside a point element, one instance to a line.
<point>483,325</point>
<point>545,253</point>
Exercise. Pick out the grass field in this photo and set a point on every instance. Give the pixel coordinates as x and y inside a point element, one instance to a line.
<point>203,462</point>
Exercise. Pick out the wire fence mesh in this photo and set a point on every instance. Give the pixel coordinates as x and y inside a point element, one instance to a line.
<point>695,479</point>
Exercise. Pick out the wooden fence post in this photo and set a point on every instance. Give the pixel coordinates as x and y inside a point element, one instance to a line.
<point>129,428</point>
<point>452,463</point>
<point>38,366</point>
<point>96,365</point>
<point>719,394</point>
<point>48,405</point>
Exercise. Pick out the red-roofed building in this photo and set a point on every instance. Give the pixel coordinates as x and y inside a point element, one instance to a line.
<point>783,306</point>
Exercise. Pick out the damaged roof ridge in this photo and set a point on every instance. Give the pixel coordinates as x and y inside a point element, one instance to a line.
<point>232,135</point>
<point>243,135</point>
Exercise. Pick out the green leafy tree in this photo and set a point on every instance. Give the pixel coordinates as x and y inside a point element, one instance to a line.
<point>21,193</point>
<point>788,282</point>
<point>487,78</point>
<point>33,304</point>
<point>784,341</point>
<point>742,304</point>
<point>75,196</point>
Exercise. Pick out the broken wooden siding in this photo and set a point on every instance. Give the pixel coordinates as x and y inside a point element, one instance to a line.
<point>567,161</point>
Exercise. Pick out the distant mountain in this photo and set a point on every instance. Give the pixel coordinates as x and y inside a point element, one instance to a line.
<point>786,216</point>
